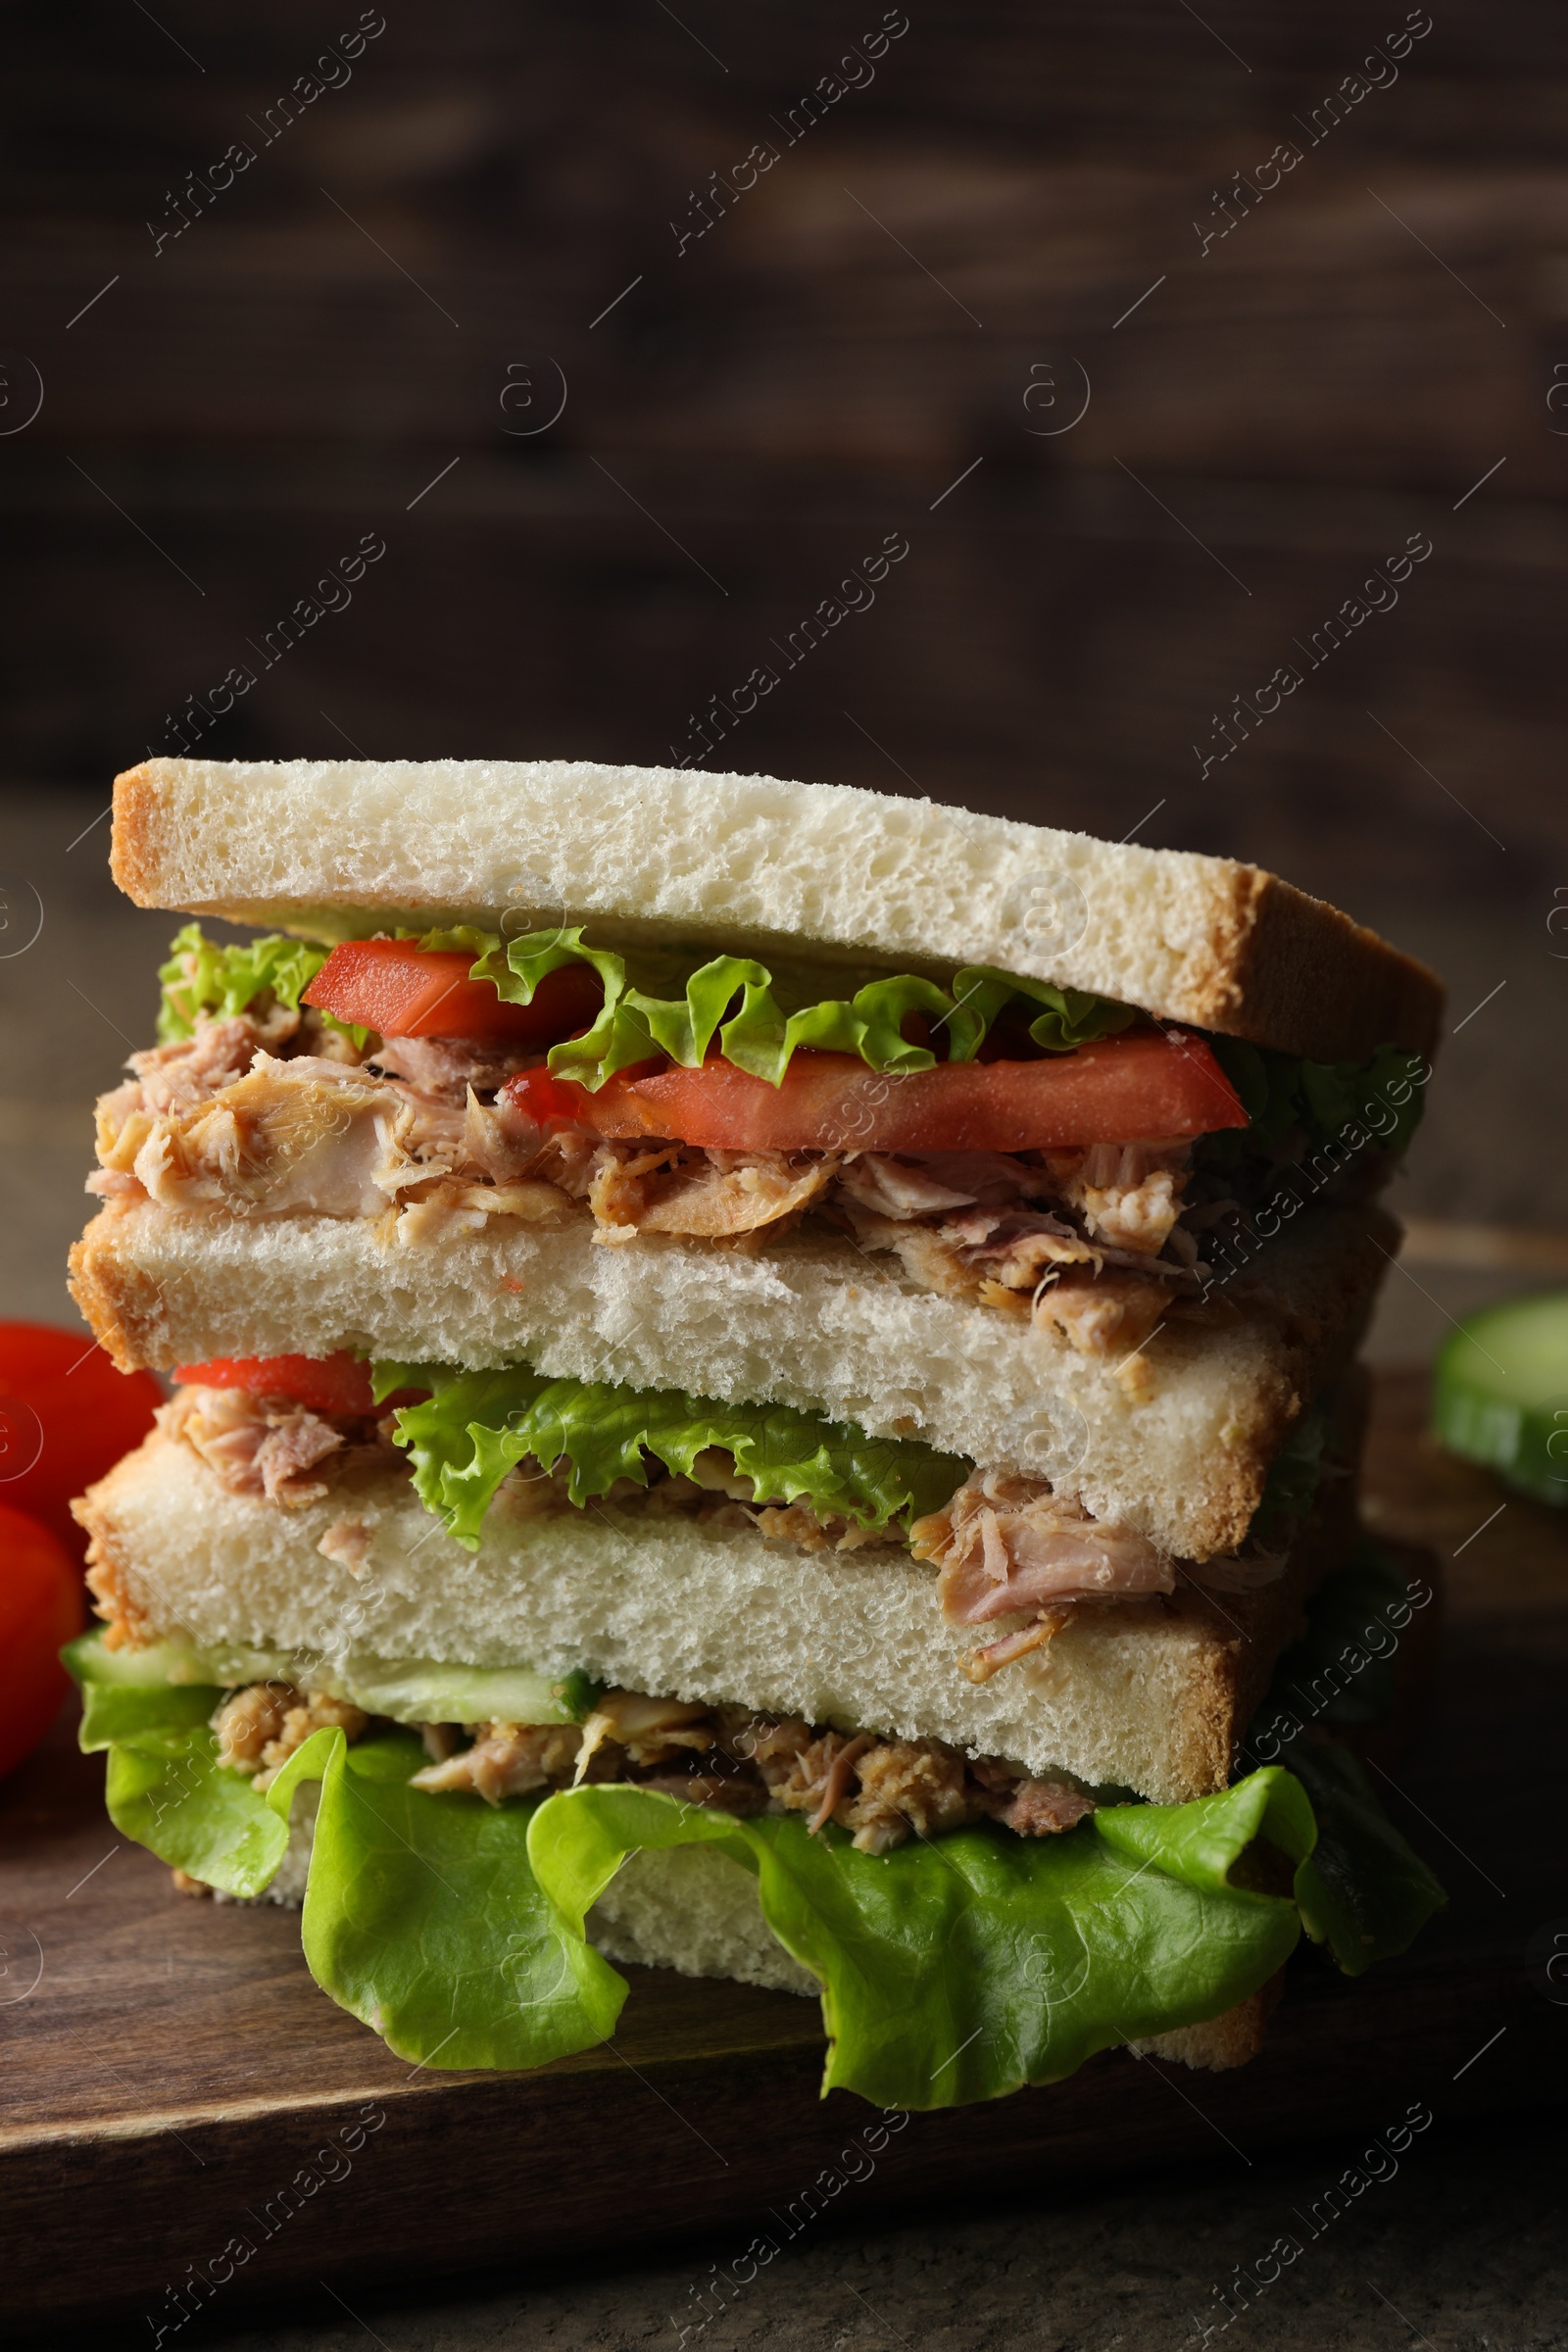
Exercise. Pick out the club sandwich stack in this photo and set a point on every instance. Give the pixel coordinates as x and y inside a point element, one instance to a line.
<point>764,1369</point>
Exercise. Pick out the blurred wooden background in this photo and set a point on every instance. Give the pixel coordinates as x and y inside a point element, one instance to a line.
<point>369,330</point>
<point>1302,396</point>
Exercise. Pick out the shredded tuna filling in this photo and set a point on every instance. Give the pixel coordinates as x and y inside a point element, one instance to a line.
<point>259,1728</point>
<point>270,1448</point>
<point>1007,1543</point>
<point>269,1113</point>
<point>881,1791</point>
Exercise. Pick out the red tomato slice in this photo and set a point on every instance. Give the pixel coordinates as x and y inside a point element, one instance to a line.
<point>1142,1085</point>
<point>40,1608</point>
<point>66,1415</point>
<point>323,1384</point>
<point>551,1102</point>
<point>391,986</point>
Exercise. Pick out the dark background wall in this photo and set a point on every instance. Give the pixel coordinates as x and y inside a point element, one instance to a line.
<point>372,331</point>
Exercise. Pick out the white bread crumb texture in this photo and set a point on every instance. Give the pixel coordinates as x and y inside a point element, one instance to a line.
<point>1140,1698</point>
<point>694,1910</point>
<point>748,862</point>
<point>1177,1446</point>
<point>730,858</point>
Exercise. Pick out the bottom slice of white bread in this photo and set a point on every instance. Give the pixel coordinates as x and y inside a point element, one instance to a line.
<point>1149,1695</point>
<point>1175,1440</point>
<point>694,1910</point>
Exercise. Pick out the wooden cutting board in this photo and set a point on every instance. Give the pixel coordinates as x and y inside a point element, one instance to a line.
<point>185,2119</point>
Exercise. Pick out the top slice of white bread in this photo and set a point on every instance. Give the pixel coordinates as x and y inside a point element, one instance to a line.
<point>340,848</point>
<point>1176,1443</point>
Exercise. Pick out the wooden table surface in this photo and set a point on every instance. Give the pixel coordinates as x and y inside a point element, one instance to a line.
<point>169,2069</point>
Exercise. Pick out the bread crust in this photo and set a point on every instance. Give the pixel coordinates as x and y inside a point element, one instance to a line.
<point>750,861</point>
<point>119,1298</point>
<point>1248,1631</point>
<point>1285,965</point>
<point>119,1597</point>
<point>1220,2042</point>
<point>133,858</point>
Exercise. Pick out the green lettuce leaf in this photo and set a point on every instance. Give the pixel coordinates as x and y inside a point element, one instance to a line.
<point>1386,1096</point>
<point>421,1914</point>
<point>1364,1891</point>
<point>766,1030</point>
<point>1294,1477</point>
<point>964,1968</point>
<point>166,1789</point>
<point>201,977</point>
<point>1069,1017</point>
<point>111,1714</point>
<point>477,1426</point>
<point>1341,1669</point>
<point>424,1919</point>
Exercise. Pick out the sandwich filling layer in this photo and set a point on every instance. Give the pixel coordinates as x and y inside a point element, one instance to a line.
<point>1027,1148</point>
<point>725,1758</point>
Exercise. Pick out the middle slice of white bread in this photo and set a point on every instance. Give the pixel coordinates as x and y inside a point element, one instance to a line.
<point>1176,1443</point>
<point>1149,1696</point>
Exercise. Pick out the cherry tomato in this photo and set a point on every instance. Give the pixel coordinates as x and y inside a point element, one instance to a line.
<point>399,989</point>
<point>40,1609</point>
<point>66,1415</point>
<point>1142,1085</point>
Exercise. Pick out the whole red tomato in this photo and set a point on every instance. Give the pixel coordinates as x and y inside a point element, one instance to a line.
<point>41,1607</point>
<point>66,1415</point>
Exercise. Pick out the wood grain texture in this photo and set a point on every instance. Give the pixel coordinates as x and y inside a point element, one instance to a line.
<point>172,2070</point>
<point>1053,650</point>
<point>1282,411</point>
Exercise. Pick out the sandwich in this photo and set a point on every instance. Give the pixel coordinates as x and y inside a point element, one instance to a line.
<point>764,1377</point>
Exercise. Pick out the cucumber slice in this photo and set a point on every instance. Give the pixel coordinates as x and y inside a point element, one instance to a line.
<point>406,1689</point>
<point>162,1663</point>
<point>422,1691</point>
<point>1501,1393</point>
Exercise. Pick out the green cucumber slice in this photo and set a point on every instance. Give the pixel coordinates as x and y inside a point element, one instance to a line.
<point>405,1689</point>
<point>1499,1394</point>
<point>422,1691</point>
<point>163,1663</point>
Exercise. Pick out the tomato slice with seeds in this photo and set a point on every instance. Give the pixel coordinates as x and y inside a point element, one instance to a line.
<point>1142,1085</point>
<point>399,989</point>
<point>323,1384</point>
